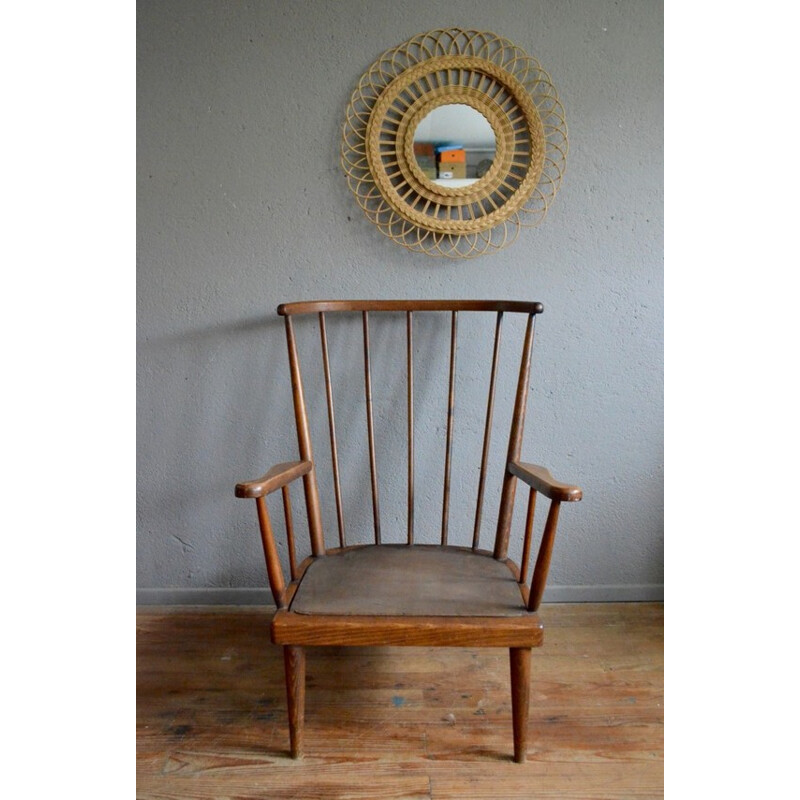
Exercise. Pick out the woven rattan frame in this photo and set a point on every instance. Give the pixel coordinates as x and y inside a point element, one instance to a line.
<point>497,79</point>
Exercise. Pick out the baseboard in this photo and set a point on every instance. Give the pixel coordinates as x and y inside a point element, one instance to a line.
<point>630,593</point>
<point>204,597</point>
<point>626,593</point>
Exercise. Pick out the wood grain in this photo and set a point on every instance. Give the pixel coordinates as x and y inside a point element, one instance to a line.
<point>540,479</point>
<point>289,522</point>
<point>337,488</point>
<point>410,398</point>
<point>277,582</point>
<point>445,596</point>
<point>375,630</point>
<point>542,567</point>
<point>506,510</point>
<point>388,722</point>
<point>313,512</point>
<point>317,306</point>
<point>487,431</point>
<point>451,406</point>
<point>277,477</point>
<point>520,661</point>
<point>294,659</point>
<point>526,543</point>
<point>373,467</point>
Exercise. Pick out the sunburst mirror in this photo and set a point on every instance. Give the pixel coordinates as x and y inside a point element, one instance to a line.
<point>453,141</point>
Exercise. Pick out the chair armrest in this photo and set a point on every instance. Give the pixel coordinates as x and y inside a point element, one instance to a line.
<point>277,477</point>
<point>541,480</point>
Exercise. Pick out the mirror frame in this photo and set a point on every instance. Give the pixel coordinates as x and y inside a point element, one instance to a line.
<point>501,82</point>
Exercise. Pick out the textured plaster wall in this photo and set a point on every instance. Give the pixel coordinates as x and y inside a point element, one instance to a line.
<point>242,205</point>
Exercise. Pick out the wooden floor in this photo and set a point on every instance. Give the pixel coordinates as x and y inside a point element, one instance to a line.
<point>400,722</point>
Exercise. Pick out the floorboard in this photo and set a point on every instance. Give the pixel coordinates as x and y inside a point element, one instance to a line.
<point>399,722</point>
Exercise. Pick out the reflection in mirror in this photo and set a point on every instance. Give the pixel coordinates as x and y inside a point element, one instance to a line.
<point>454,145</point>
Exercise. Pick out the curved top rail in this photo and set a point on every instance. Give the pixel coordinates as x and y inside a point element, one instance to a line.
<point>315,306</point>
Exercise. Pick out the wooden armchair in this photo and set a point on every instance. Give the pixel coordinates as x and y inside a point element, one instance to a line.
<point>408,594</point>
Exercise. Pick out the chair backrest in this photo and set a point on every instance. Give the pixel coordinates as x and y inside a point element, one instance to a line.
<point>368,311</point>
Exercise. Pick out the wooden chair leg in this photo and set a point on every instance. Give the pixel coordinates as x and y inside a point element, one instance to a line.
<point>294,659</point>
<point>520,694</point>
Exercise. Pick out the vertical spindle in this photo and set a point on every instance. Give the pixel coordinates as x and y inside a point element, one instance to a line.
<point>277,582</point>
<point>332,427</point>
<point>370,430</point>
<point>451,402</point>
<point>526,548</point>
<point>287,515</point>
<point>304,445</point>
<point>410,369</point>
<point>543,558</point>
<point>487,432</point>
<point>514,446</point>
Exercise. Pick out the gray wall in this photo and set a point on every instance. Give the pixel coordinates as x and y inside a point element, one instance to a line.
<point>242,205</point>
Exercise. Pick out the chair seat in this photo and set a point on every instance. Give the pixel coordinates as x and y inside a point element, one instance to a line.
<point>400,581</point>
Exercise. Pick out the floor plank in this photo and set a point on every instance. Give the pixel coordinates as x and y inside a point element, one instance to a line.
<point>399,722</point>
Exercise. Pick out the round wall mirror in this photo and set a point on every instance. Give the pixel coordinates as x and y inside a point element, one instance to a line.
<point>453,141</point>
<point>454,145</point>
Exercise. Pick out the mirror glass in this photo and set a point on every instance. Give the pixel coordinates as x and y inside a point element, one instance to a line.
<point>454,145</point>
